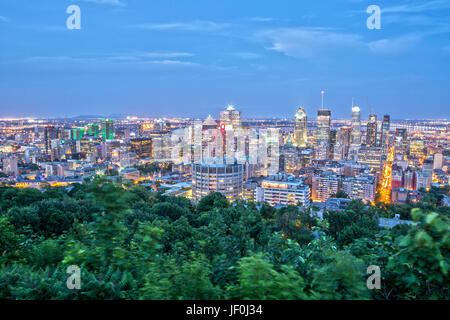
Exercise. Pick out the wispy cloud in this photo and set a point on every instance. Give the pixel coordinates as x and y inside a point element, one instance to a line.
<point>424,6</point>
<point>197,25</point>
<point>109,2</point>
<point>139,58</point>
<point>308,42</point>
<point>246,55</point>
<point>395,45</point>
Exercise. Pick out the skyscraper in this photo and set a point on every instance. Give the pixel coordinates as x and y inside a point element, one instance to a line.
<point>108,129</point>
<point>371,133</point>
<point>385,127</point>
<point>50,133</point>
<point>230,117</point>
<point>356,126</point>
<point>323,133</point>
<point>300,129</point>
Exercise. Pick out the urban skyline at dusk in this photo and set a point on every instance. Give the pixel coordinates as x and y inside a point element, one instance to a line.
<point>160,60</point>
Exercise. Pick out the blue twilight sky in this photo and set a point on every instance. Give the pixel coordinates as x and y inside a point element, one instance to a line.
<point>192,58</point>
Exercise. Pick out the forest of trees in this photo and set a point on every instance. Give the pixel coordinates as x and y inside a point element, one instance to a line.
<point>132,243</point>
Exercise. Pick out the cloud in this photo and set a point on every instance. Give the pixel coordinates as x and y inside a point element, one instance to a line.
<point>307,43</point>
<point>246,55</point>
<point>109,2</point>
<point>395,45</point>
<point>418,7</point>
<point>197,25</point>
<point>3,19</point>
<point>140,58</point>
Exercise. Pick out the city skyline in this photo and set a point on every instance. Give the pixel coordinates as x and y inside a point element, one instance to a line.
<point>153,59</point>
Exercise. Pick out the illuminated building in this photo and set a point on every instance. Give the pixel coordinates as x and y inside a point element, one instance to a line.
<point>423,179</point>
<point>222,178</point>
<point>409,179</point>
<point>337,204</point>
<point>324,186</point>
<point>300,129</point>
<point>10,165</point>
<point>361,187</point>
<point>249,191</point>
<point>385,127</point>
<point>50,133</point>
<point>142,147</point>
<point>396,177</point>
<point>77,133</point>
<point>372,157</point>
<point>230,117</point>
<point>93,130</point>
<point>281,190</point>
<point>356,127</point>
<point>323,133</point>
<point>333,141</point>
<point>438,161</point>
<point>342,145</point>
<point>108,129</point>
<point>371,133</point>
<point>417,148</point>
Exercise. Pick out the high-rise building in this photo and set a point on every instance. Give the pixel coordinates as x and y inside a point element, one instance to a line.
<point>324,186</point>
<point>372,157</point>
<point>284,191</point>
<point>142,147</point>
<point>50,133</point>
<point>10,165</point>
<point>343,143</point>
<point>385,127</point>
<point>361,187</point>
<point>230,117</point>
<point>356,126</point>
<point>108,129</point>
<point>371,133</point>
<point>93,129</point>
<point>300,130</point>
<point>438,161</point>
<point>323,133</point>
<point>225,179</point>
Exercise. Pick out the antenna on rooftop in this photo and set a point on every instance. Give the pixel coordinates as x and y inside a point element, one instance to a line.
<point>322,93</point>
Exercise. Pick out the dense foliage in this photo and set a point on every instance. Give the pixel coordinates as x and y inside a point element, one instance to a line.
<point>132,243</point>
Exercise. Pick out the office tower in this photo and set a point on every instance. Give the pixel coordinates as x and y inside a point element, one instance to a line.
<point>323,133</point>
<point>50,133</point>
<point>225,179</point>
<point>333,141</point>
<point>385,127</point>
<point>142,147</point>
<point>361,187</point>
<point>280,190</point>
<point>324,186</point>
<point>300,129</point>
<point>409,179</point>
<point>230,117</point>
<point>10,165</point>
<point>108,129</point>
<point>343,143</point>
<point>417,148</point>
<point>77,133</point>
<point>356,126</point>
<point>372,157</point>
<point>159,125</point>
<point>93,129</point>
<point>401,135</point>
<point>438,161</point>
<point>371,133</point>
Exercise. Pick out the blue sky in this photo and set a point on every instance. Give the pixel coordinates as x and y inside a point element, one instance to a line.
<point>192,58</point>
